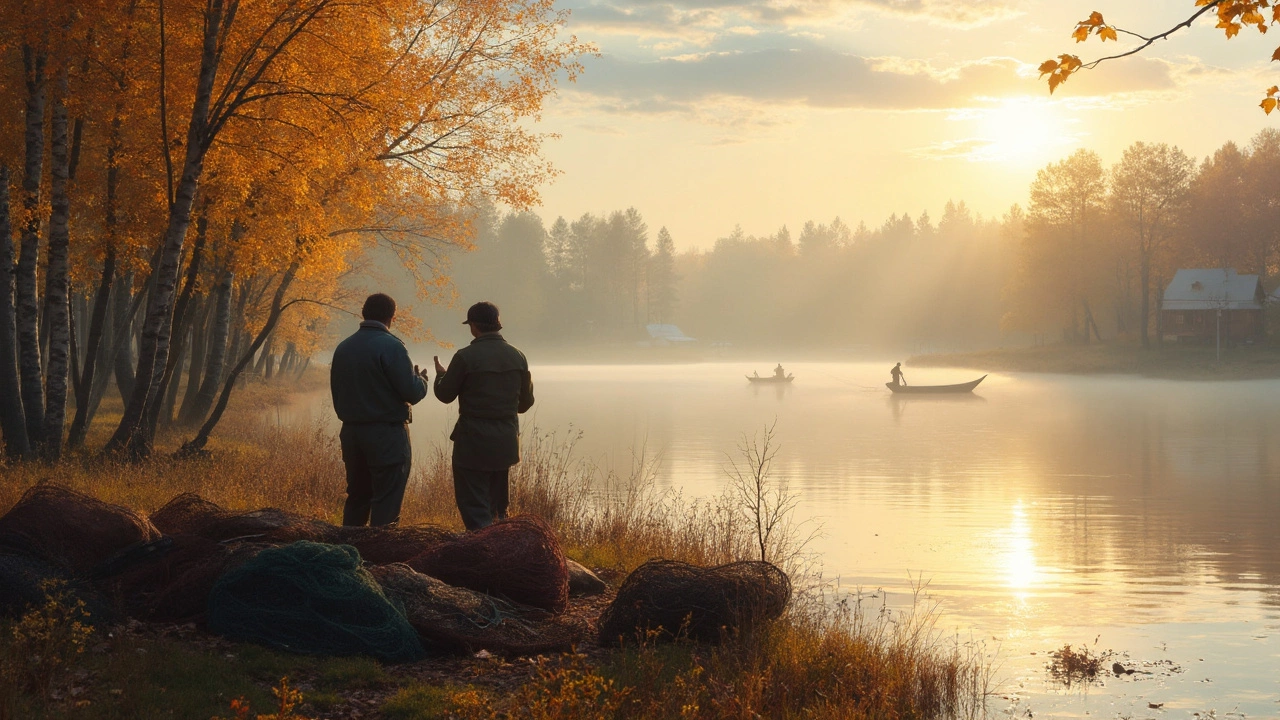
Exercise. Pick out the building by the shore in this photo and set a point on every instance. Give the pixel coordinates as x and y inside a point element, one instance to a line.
<point>1205,305</point>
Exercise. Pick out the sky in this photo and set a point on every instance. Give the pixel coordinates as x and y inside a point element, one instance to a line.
<point>708,114</point>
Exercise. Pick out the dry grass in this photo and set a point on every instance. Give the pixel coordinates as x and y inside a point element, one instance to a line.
<point>827,657</point>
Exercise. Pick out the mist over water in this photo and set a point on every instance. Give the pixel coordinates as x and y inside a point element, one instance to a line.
<point>1039,511</point>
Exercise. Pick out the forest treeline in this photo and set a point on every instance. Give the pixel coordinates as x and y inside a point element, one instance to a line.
<point>1086,259</point>
<point>603,278</point>
<point>186,185</point>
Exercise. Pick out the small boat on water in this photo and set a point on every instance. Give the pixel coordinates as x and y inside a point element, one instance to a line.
<point>770,379</point>
<point>934,389</point>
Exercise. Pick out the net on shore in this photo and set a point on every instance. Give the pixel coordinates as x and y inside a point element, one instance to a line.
<point>394,543</point>
<point>190,514</point>
<point>71,530</point>
<point>455,619</point>
<point>174,583</point>
<point>518,559</point>
<point>675,598</point>
<point>311,598</point>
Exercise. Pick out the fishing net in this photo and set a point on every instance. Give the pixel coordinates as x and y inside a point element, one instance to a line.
<point>457,619</point>
<point>675,598</point>
<point>26,582</point>
<point>387,544</point>
<point>518,559</point>
<point>190,514</point>
<point>71,530</point>
<point>173,583</point>
<point>311,598</point>
<point>187,514</point>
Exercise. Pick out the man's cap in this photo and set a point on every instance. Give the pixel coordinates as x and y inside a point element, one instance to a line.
<point>483,313</point>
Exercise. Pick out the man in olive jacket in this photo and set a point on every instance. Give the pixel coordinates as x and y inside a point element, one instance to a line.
<point>490,379</point>
<point>373,384</point>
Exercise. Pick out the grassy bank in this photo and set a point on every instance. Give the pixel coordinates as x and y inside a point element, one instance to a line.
<point>1171,361</point>
<point>826,658</point>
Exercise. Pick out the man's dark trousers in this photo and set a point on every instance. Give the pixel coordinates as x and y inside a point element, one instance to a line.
<point>378,457</point>
<point>482,495</point>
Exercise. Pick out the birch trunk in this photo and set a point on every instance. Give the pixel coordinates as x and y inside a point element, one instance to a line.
<point>162,401</point>
<point>12,421</point>
<point>57,283</point>
<point>196,444</point>
<point>195,414</point>
<point>27,307</point>
<point>199,353</point>
<point>122,312</point>
<point>132,438</point>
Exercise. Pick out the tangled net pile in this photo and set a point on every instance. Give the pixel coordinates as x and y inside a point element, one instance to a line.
<point>311,598</point>
<point>518,559</point>
<point>292,582</point>
<point>457,619</point>
<point>71,530</point>
<point>674,598</point>
<point>174,585</point>
<point>189,514</point>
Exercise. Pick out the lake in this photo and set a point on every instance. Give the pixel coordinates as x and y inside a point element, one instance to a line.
<point>1133,515</point>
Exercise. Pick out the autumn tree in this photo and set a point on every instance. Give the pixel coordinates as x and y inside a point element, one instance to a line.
<point>1149,189</point>
<point>1062,257</point>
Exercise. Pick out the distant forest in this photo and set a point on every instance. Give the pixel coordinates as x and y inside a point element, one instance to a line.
<point>603,278</point>
<point>1085,260</point>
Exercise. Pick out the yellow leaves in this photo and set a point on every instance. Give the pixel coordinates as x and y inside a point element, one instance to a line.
<point>1095,25</point>
<point>1270,102</point>
<point>1234,15</point>
<point>1059,70</point>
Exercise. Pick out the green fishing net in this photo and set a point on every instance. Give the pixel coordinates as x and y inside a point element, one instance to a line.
<point>311,598</point>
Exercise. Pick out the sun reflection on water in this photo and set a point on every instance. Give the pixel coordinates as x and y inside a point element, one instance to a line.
<point>1021,572</point>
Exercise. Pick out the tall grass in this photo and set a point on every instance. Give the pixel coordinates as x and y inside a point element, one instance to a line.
<point>830,656</point>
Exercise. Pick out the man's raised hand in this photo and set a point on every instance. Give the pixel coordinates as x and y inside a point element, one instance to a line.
<point>440,370</point>
<point>422,373</point>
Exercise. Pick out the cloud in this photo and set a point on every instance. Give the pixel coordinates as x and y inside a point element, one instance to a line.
<point>964,13</point>
<point>819,77</point>
<point>676,18</point>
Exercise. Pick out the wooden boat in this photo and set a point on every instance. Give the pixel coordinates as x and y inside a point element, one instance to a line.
<point>934,389</point>
<point>770,379</point>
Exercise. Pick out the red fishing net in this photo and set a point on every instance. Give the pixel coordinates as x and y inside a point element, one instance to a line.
<point>675,598</point>
<point>71,530</point>
<point>517,559</point>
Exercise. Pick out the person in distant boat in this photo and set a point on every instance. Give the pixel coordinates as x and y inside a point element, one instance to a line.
<point>778,372</point>
<point>755,373</point>
<point>490,380</point>
<point>898,377</point>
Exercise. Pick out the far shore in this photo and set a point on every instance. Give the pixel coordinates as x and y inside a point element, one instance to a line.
<point>1171,362</point>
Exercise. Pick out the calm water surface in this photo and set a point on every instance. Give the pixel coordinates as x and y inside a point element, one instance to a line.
<point>1138,514</point>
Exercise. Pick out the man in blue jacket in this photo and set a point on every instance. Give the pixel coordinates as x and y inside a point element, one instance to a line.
<point>373,384</point>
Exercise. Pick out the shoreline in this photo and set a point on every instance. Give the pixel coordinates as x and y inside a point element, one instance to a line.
<point>1170,362</point>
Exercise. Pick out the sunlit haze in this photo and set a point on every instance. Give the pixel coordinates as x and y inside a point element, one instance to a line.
<point>706,114</point>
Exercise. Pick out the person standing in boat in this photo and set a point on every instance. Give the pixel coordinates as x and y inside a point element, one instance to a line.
<point>898,378</point>
<point>778,372</point>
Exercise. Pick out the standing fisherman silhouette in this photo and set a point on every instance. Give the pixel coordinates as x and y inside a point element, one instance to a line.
<point>778,372</point>
<point>490,380</point>
<point>898,377</point>
<point>373,383</point>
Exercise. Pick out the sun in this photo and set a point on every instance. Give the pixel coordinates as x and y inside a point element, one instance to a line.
<point>1022,131</point>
